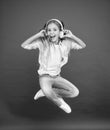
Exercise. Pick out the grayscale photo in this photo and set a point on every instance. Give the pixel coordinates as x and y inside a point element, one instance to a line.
<point>54,65</point>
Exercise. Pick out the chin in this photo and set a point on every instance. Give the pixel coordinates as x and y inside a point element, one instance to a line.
<point>55,40</point>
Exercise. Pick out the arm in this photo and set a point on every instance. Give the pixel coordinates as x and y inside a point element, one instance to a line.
<point>77,43</point>
<point>32,42</point>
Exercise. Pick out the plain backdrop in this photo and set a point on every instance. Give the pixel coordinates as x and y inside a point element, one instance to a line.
<point>88,69</point>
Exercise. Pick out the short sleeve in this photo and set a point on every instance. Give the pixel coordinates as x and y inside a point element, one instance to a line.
<point>65,48</point>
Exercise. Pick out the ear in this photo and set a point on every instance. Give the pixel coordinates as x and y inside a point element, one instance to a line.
<point>44,28</point>
<point>61,34</point>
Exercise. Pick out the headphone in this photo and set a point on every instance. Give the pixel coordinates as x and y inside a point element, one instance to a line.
<point>58,21</point>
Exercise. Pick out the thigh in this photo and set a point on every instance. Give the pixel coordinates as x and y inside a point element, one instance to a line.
<point>62,83</point>
<point>45,83</point>
<point>65,88</point>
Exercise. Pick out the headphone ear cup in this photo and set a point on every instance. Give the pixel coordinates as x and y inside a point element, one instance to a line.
<point>61,34</point>
<point>46,33</point>
<point>44,28</point>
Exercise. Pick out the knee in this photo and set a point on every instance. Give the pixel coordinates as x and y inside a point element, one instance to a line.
<point>75,93</point>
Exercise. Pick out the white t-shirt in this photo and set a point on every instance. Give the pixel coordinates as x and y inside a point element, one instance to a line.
<point>51,56</point>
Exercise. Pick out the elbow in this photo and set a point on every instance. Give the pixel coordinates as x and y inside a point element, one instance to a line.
<point>84,45</point>
<point>25,47</point>
<point>22,46</point>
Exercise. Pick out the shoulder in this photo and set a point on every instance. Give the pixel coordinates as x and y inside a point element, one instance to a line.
<point>42,43</point>
<point>41,40</point>
<point>66,42</point>
<point>71,44</point>
<point>37,43</point>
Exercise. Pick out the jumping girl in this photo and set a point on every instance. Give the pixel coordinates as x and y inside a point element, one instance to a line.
<point>54,44</point>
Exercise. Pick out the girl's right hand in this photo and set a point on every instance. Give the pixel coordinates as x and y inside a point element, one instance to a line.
<point>42,33</point>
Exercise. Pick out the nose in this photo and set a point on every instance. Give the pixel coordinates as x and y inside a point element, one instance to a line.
<point>51,33</point>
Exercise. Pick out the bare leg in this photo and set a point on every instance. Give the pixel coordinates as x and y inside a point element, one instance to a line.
<point>46,83</point>
<point>64,88</point>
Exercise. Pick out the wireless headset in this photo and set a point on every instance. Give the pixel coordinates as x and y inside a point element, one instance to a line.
<point>58,21</point>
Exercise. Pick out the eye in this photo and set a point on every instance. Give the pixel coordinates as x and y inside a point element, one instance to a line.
<point>49,30</point>
<point>55,29</point>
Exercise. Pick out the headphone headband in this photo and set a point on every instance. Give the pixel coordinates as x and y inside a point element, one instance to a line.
<point>58,21</point>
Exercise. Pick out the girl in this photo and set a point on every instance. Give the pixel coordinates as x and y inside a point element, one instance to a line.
<point>54,44</point>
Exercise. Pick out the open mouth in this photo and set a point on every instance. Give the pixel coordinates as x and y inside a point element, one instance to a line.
<point>52,36</point>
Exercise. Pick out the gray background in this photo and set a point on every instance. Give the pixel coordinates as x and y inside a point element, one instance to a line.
<point>88,69</point>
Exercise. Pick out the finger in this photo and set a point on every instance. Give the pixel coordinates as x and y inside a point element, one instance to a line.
<point>65,32</point>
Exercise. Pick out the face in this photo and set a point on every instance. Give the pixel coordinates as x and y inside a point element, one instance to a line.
<point>53,32</point>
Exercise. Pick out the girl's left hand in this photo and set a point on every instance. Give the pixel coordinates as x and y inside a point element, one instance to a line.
<point>67,33</point>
